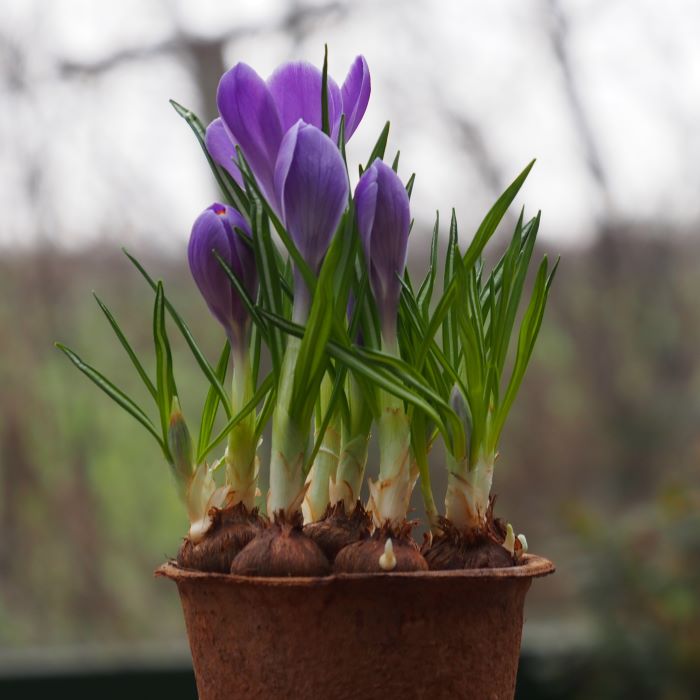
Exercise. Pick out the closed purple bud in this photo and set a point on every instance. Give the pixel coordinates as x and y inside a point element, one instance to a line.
<point>222,149</point>
<point>383,221</point>
<point>312,187</point>
<point>214,230</point>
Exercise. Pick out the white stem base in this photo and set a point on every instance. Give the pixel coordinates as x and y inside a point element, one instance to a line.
<point>468,491</point>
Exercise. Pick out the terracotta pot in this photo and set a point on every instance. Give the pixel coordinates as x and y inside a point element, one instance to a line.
<point>451,634</point>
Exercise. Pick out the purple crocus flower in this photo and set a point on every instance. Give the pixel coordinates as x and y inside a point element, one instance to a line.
<point>214,229</point>
<point>383,221</point>
<point>222,149</point>
<point>256,114</point>
<point>312,185</point>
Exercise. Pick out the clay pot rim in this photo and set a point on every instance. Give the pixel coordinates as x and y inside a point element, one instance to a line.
<point>533,566</point>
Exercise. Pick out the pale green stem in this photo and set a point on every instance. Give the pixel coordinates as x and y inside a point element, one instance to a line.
<point>289,439</point>
<point>323,470</point>
<point>468,491</point>
<point>353,454</point>
<point>351,470</point>
<point>241,457</point>
<point>391,493</point>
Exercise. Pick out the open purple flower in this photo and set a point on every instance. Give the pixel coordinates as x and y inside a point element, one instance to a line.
<point>312,186</point>
<point>256,114</point>
<point>214,230</point>
<point>383,221</point>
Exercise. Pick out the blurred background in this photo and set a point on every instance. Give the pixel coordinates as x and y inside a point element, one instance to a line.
<point>599,462</point>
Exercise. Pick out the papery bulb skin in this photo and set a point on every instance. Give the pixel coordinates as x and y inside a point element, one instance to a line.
<point>338,529</point>
<point>232,528</point>
<point>281,549</point>
<point>480,548</point>
<point>365,557</point>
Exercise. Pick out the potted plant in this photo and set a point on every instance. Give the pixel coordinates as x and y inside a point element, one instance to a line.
<point>307,591</point>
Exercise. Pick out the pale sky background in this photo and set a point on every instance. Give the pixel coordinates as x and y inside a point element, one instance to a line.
<point>474,90</point>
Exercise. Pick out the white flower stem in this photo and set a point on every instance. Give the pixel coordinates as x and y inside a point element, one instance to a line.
<point>323,470</point>
<point>468,491</point>
<point>391,493</point>
<point>289,442</point>
<point>241,457</point>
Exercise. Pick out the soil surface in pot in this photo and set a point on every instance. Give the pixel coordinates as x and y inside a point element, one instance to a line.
<point>231,530</point>
<point>366,555</point>
<point>475,549</point>
<point>282,549</point>
<point>338,529</point>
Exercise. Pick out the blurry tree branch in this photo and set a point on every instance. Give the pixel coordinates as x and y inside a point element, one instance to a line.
<point>558,32</point>
<point>205,55</point>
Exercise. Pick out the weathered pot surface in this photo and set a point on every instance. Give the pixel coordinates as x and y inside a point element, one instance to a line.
<point>421,634</point>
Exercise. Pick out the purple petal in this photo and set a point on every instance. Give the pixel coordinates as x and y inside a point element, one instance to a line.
<point>296,88</point>
<point>249,113</point>
<point>355,93</point>
<point>214,229</point>
<point>222,149</point>
<point>383,220</point>
<point>312,186</point>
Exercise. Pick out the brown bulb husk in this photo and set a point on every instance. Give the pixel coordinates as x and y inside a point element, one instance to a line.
<point>282,549</point>
<point>231,530</point>
<point>475,549</point>
<point>337,529</point>
<point>363,557</point>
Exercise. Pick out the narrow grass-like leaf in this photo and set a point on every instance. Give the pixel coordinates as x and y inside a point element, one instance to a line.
<point>202,361</point>
<point>114,393</point>
<point>211,404</point>
<point>286,239</point>
<point>490,223</point>
<point>129,350</point>
<point>379,147</point>
<point>259,395</point>
<point>165,383</point>
<point>228,186</point>
<point>425,293</point>
<point>325,123</point>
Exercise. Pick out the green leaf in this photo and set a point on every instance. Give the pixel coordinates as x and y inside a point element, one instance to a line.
<point>242,292</point>
<point>165,382</point>
<point>211,403</point>
<point>114,393</point>
<point>425,293</point>
<point>395,164</point>
<point>490,223</point>
<point>379,147</point>
<point>358,362</point>
<point>325,123</point>
<point>269,275</point>
<point>129,350</point>
<point>266,385</point>
<point>286,239</point>
<point>229,187</point>
<point>409,185</point>
<point>189,339</point>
